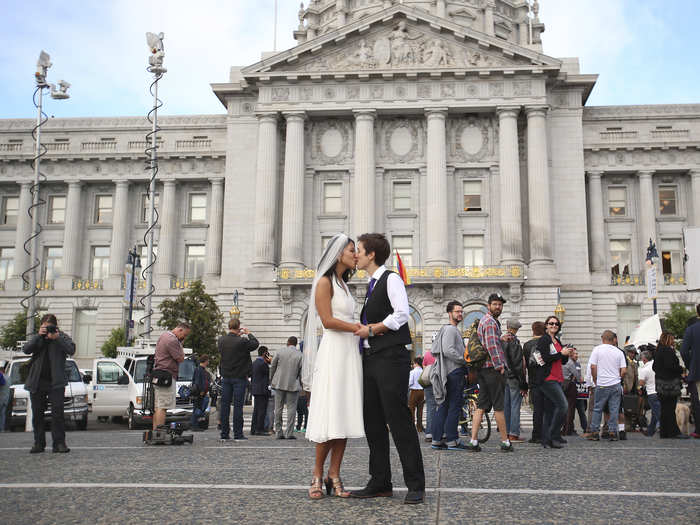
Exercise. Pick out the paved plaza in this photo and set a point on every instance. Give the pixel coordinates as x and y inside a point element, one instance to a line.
<point>110,477</point>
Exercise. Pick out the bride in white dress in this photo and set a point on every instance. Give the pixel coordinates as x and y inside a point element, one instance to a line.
<point>332,369</point>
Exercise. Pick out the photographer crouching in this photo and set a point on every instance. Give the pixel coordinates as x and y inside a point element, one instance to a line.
<point>46,381</point>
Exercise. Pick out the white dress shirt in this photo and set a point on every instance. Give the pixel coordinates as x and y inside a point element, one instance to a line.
<point>646,374</point>
<point>398,298</point>
<point>413,378</point>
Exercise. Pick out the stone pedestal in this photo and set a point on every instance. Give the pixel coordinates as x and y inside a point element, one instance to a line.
<point>436,190</point>
<point>511,220</point>
<point>212,266</point>
<point>363,195</point>
<point>266,190</point>
<point>293,206</point>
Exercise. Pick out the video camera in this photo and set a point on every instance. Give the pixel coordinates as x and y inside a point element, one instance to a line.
<point>168,435</point>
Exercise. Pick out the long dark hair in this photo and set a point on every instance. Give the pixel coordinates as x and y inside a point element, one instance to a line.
<point>330,273</point>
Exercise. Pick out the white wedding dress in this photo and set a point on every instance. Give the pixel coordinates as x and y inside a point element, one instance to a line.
<point>335,409</point>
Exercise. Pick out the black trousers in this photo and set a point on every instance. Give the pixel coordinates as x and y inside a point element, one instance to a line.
<point>669,427</point>
<point>58,426</point>
<point>302,412</point>
<point>259,409</point>
<point>385,382</point>
<point>537,400</point>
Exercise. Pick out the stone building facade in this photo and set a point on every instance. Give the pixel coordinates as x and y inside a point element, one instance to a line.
<point>440,123</point>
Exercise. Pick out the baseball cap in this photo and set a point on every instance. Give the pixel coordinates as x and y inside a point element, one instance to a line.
<point>496,297</point>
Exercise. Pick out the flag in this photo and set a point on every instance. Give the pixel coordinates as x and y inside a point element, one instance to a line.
<point>402,270</point>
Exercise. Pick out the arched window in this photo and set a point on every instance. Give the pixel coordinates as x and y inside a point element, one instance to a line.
<point>472,312</point>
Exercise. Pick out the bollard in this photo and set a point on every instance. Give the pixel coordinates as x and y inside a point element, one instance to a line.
<point>28,427</point>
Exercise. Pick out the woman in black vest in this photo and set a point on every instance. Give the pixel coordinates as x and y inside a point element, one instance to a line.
<point>668,385</point>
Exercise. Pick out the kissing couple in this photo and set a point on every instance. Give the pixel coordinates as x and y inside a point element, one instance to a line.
<point>358,373</point>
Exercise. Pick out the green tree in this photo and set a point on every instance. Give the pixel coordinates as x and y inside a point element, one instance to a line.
<point>16,330</point>
<point>676,320</point>
<point>199,309</point>
<point>117,337</point>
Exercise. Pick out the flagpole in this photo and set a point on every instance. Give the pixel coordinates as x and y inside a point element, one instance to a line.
<point>274,42</point>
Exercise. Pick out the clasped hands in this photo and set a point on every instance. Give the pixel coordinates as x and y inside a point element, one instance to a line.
<point>362,330</point>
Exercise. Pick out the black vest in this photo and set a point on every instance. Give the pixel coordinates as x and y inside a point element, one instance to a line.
<point>377,308</point>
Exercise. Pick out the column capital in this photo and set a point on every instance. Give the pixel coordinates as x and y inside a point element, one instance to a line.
<point>294,115</point>
<point>72,183</point>
<point>694,173</point>
<point>436,112</point>
<point>508,111</point>
<point>169,182</point>
<point>216,181</point>
<point>267,116</point>
<point>645,174</point>
<point>121,182</point>
<point>364,114</point>
<point>594,173</point>
<point>25,183</point>
<point>535,110</point>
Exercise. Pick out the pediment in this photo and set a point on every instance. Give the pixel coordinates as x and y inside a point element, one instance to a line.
<point>401,39</point>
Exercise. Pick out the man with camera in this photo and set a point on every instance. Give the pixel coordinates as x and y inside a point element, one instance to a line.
<point>168,356</point>
<point>46,381</point>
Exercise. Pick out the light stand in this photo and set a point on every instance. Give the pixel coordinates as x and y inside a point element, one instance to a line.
<point>42,66</point>
<point>134,261</point>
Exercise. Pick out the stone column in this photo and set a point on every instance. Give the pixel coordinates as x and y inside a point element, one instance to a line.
<point>436,189</point>
<point>24,228</point>
<point>72,232</point>
<point>695,196</point>
<point>440,8</point>
<point>647,213</point>
<point>595,203</point>
<point>293,206</point>
<point>266,190</point>
<point>538,187</point>
<point>363,195</point>
<point>511,222</point>
<point>216,227</point>
<point>168,230</point>
<point>489,28</point>
<point>120,229</point>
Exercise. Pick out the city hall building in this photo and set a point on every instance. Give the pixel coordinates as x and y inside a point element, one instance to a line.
<point>440,123</point>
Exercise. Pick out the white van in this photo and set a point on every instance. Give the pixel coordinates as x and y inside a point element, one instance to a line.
<point>75,396</point>
<point>118,386</point>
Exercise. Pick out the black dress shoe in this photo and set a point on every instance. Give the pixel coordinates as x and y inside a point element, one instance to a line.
<point>562,440</point>
<point>36,449</point>
<point>551,444</point>
<point>61,448</point>
<point>534,440</point>
<point>291,437</point>
<point>414,496</point>
<point>280,437</point>
<point>372,492</point>
<point>623,435</point>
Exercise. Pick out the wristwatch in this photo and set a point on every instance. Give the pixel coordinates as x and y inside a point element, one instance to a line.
<point>371,333</point>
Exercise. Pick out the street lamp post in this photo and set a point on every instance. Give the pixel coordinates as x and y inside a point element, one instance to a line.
<point>651,257</point>
<point>134,261</point>
<point>235,312</point>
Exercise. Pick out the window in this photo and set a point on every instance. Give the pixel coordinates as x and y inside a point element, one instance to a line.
<point>53,263</point>
<point>402,196</point>
<point>99,265</point>
<point>144,254</point>
<point>10,207</point>
<point>103,209</point>
<point>7,263</point>
<point>332,197</point>
<point>617,202</point>
<point>194,261</point>
<point>628,317</point>
<point>325,239</point>
<point>472,195</point>
<point>667,200</point>
<point>671,256</point>
<point>145,203</point>
<point>198,208</point>
<point>57,209</point>
<point>620,252</point>
<point>404,245</point>
<point>108,372</point>
<point>473,250</point>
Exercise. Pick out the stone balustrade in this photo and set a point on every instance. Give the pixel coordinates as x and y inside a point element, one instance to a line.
<point>104,145</point>
<point>194,144</point>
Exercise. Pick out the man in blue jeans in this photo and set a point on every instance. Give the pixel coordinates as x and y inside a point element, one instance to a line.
<point>608,366</point>
<point>447,379</point>
<point>236,367</point>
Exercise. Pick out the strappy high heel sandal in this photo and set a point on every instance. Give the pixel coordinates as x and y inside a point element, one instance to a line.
<point>316,489</point>
<point>334,487</point>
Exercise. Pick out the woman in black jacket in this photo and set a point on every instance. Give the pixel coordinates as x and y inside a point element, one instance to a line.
<point>550,378</point>
<point>668,385</point>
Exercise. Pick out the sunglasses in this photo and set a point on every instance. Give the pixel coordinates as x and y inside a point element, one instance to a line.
<point>553,324</point>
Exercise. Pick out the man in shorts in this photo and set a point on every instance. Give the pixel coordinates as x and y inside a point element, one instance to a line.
<point>169,354</point>
<point>492,375</point>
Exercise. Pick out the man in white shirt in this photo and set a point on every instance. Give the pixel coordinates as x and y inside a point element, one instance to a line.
<point>647,379</point>
<point>416,396</point>
<point>608,365</point>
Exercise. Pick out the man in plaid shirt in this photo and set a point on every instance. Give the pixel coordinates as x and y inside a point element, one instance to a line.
<point>492,375</point>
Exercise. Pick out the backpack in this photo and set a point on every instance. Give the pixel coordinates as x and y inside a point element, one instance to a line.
<point>474,353</point>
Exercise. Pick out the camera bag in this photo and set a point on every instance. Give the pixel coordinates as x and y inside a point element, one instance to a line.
<point>161,377</point>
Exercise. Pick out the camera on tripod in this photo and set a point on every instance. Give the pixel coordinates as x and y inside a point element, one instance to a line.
<point>168,435</point>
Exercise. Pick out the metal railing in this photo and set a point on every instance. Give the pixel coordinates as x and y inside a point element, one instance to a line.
<point>674,279</point>
<point>87,284</point>
<point>627,279</point>
<point>182,283</point>
<point>46,284</point>
<point>421,273</point>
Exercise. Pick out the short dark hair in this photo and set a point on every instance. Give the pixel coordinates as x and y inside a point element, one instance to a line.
<point>184,325</point>
<point>292,341</point>
<point>451,305</point>
<point>496,297</point>
<point>538,328</point>
<point>262,350</point>
<point>377,243</point>
<point>608,336</point>
<point>419,360</point>
<point>203,358</point>
<point>49,318</point>
<point>234,324</point>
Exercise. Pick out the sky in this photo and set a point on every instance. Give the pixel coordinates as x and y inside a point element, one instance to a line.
<point>646,52</point>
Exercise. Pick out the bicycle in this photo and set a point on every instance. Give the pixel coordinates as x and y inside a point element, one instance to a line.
<point>467,414</point>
